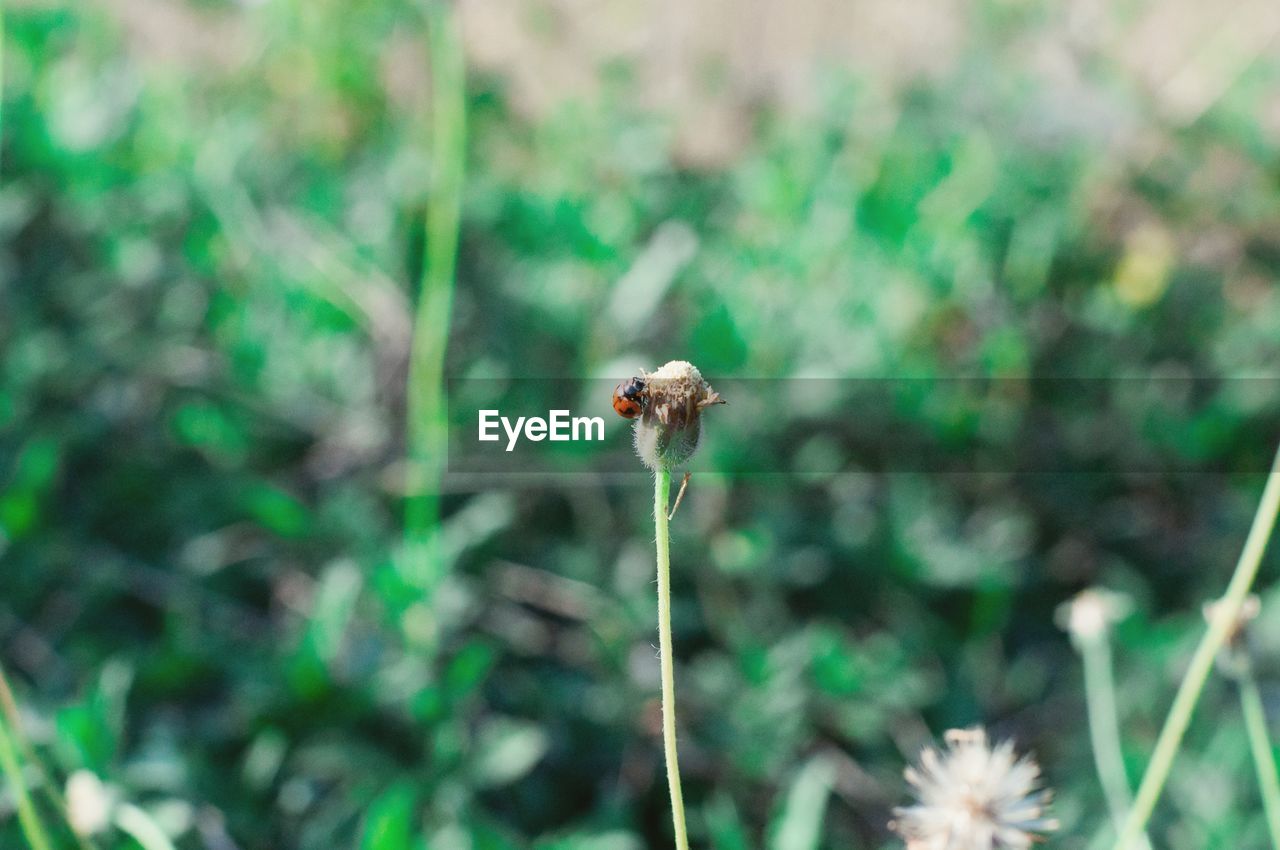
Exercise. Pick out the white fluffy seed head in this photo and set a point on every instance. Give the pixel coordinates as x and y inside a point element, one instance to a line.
<point>973,796</point>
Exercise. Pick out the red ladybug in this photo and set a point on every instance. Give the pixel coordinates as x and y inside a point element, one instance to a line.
<point>629,398</point>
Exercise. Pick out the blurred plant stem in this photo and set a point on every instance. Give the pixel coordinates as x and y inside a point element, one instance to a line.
<point>1224,621</point>
<point>426,427</point>
<point>661,492</point>
<point>1264,760</point>
<point>1104,726</point>
<point>28,817</point>
<point>2,33</point>
<point>10,715</point>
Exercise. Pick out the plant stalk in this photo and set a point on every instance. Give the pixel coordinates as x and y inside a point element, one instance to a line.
<point>1264,760</point>
<point>662,487</point>
<point>11,714</point>
<point>28,817</point>
<point>2,34</point>
<point>1104,727</point>
<point>1220,628</point>
<point>427,428</point>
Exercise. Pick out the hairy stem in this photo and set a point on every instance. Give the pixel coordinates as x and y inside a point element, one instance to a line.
<point>661,488</point>
<point>1264,760</point>
<point>1184,702</point>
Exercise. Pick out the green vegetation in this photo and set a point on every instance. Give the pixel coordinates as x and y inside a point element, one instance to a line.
<point>988,336</point>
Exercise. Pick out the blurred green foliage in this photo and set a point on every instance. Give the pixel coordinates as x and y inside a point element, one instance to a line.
<point>210,249</point>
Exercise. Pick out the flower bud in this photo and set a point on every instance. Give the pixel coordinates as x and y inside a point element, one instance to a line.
<point>667,432</point>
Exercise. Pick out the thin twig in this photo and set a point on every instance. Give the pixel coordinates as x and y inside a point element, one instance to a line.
<point>684,483</point>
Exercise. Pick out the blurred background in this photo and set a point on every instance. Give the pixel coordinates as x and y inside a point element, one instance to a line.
<point>212,237</point>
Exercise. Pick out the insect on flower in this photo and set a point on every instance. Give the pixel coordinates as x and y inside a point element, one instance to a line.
<point>974,796</point>
<point>667,406</point>
<point>629,398</point>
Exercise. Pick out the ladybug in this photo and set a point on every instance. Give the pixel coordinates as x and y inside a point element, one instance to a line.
<point>629,398</point>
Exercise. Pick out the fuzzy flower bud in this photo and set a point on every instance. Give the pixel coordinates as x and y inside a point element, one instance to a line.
<point>667,431</point>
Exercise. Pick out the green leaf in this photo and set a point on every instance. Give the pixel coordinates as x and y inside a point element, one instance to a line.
<point>507,749</point>
<point>388,824</point>
<point>799,826</point>
<point>725,824</point>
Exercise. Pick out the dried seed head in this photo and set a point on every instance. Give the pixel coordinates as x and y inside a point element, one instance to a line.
<point>667,432</point>
<point>1233,659</point>
<point>1090,614</point>
<point>1249,611</point>
<point>973,796</point>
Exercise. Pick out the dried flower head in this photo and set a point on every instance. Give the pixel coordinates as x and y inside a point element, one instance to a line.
<point>973,796</point>
<point>1090,614</point>
<point>1234,657</point>
<point>668,429</point>
<point>1249,611</point>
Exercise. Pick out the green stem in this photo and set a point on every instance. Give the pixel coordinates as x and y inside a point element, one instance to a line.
<point>2,32</point>
<point>1184,702</point>
<point>661,490</point>
<point>9,709</point>
<point>1264,759</point>
<point>1104,726</point>
<point>427,429</point>
<point>32,827</point>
